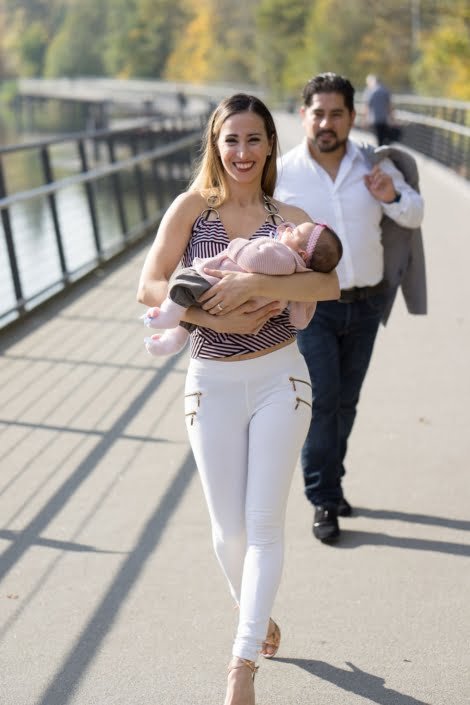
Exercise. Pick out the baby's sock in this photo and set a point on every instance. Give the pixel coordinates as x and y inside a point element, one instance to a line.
<point>171,342</point>
<point>168,315</point>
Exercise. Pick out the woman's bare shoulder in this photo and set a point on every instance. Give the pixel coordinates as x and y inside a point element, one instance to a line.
<point>189,203</point>
<point>292,213</point>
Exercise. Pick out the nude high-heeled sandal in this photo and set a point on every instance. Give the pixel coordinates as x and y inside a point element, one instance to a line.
<point>273,639</point>
<point>270,645</point>
<point>236,663</point>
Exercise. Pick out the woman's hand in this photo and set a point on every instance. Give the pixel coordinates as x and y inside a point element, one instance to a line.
<point>233,290</point>
<point>241,321</point>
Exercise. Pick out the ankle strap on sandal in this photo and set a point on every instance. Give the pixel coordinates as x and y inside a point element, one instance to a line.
<point>243,662</point>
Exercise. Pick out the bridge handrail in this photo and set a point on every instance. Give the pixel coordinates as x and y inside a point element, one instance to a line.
<point>438,127</point>
<point>98,172</point>
<point>161,122</point>
<point>141,88</point>
<point>430,101</point>
<point>412,99</point>
<point>152,176</point>
<point>406,116</point>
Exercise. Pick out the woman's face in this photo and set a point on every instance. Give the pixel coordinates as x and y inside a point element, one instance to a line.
<point>244,146</point>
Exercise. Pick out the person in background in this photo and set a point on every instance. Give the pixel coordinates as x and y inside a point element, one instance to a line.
<point>329,177</point>
<point>379,108</point>
<point>248,393</point>
<point>182,101</point>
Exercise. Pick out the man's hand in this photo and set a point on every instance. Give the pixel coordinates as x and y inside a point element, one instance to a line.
<point>380,185</point>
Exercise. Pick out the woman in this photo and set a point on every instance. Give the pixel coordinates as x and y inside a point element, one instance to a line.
<point>247,396</point>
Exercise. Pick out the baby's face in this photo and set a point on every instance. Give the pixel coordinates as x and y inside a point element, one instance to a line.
<point>295,236</point>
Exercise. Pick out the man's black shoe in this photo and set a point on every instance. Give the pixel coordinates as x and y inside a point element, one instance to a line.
<point>325,524</point>
<point>344,509</point>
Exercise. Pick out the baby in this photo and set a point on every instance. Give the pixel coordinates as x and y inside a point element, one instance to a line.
<point>293,249</point>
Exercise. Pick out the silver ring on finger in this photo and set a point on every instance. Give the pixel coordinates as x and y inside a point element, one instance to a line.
<point>220,307</point>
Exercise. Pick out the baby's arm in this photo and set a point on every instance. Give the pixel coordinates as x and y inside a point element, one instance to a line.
<point>300,314</point>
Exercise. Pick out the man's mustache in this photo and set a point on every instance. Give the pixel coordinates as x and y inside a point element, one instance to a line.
<point>326,132</point>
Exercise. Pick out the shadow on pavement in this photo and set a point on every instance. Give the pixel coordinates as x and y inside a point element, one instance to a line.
<point>55,504</point>
<point>64,683</point>
<point>9,535</point>
<point>355,681</point>
<point>393,515</point>
<point>355,539</point>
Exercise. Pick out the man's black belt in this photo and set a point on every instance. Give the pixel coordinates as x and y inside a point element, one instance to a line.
<point>359,293</point>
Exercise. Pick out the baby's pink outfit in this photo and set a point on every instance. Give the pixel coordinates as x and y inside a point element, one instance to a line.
<point>262,255</point>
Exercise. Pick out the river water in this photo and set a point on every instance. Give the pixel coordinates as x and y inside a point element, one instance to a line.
<point>31,221</point>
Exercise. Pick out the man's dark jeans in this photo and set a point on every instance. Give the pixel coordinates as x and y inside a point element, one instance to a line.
<point>381,132</point>
<point>337,346</point>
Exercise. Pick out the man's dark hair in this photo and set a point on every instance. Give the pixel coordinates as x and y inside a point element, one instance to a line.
<point>329,83</point>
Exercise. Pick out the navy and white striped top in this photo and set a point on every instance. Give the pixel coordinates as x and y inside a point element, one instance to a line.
<point>208,238</point>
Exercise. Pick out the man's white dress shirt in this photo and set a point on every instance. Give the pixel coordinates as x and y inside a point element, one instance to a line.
<point>347,206</point>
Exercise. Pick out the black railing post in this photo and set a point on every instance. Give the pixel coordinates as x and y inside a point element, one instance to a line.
<point>151,142</point>
<point>90,195</point>
<point>139,181</point>
<point>49,179</point>
<point>10,243</point>
<point>117,188</point>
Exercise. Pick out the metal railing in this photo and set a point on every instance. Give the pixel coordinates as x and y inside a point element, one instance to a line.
<point>118,185</point>
<point>436,127</point>
<point>121,182</point>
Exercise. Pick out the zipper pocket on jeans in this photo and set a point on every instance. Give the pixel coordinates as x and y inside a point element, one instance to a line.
<point>198,396</point>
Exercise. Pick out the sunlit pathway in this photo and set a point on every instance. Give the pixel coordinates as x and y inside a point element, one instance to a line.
<point>110,594</point>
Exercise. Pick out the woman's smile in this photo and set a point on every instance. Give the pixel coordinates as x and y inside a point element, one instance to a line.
<point>244,166</point>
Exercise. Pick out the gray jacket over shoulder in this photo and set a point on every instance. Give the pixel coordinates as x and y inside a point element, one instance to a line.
<point>404,264</point>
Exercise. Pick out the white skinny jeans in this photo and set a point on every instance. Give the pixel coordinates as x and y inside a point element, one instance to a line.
<point>247,421</point>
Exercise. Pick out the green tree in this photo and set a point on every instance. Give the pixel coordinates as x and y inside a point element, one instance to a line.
<point>218,44</point>
<point>235,51</point>
<point>8,66</point>
<point>191,58</point>
<point>149,32</point>
<point>72,52</point>
<point>276,44</point>
<point>122,38</point>
<point>32,49</point>
<point>443,67</point>
<point>355,39</point>
<point>280,30</point>
<point>28,29</point>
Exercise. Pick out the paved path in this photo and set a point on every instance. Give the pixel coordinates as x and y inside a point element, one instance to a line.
<point>109,591</point>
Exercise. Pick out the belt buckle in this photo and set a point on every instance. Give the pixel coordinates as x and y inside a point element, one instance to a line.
<point>349,296</point>
<point>363,293</point>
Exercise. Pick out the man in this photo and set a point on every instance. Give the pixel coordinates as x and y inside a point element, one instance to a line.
<point>331,179</point>
<point>379,108</point>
